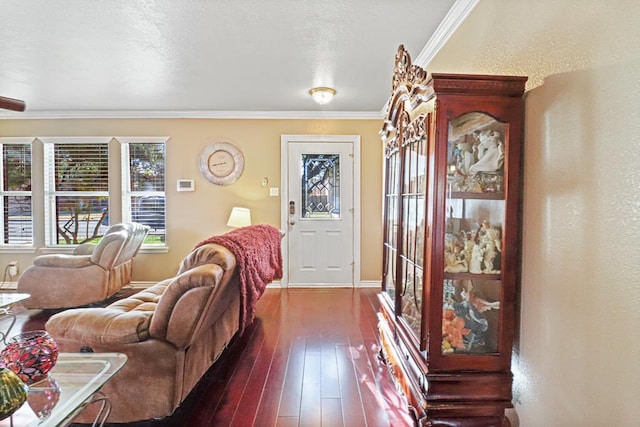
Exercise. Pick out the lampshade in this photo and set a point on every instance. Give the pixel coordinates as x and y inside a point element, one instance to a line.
<point>322,95</point>
<point>240,217</point>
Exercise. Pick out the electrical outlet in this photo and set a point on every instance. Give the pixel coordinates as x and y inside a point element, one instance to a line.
<point>13,268</point>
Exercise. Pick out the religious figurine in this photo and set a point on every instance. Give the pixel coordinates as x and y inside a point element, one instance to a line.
<point>490,238</point>
<point>490,152</point>
<point>468,245</point>
<point>477,255</point>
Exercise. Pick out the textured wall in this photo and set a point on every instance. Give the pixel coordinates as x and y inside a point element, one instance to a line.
<point>577,360</point>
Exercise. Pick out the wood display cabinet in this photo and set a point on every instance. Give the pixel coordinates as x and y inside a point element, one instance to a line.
<point>451,262</point>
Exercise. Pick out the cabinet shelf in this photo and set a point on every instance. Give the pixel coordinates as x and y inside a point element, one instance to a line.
<point>471,276</point>
<point>472,195</point>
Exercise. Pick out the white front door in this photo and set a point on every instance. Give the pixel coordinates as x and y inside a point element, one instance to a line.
<point>319,210</point>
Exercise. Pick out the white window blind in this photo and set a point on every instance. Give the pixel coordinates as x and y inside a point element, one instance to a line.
<point>15,192</point>
<point>143,185</point>
<point>76,189</point>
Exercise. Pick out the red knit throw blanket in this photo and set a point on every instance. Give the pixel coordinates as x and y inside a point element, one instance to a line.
<point>258,262</point>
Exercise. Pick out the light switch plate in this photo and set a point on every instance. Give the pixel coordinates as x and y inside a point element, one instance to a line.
<point>274,191</point>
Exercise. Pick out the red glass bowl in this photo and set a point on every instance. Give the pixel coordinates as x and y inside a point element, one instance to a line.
<point>30,355</point>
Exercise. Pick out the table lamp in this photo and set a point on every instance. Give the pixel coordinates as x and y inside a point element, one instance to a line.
<point>240,217</point>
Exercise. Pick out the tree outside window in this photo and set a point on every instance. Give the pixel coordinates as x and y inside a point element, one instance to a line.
<point>76,189</point>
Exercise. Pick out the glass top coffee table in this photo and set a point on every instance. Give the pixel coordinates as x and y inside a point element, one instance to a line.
<point>74,381</point>
<point>7,299</point>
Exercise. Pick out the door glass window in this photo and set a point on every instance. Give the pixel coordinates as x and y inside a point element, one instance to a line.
<point>320,186</point>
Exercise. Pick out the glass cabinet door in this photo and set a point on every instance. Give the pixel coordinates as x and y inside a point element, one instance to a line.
<point>412,200</point>
<point>473,244</point>
<point>390,249</point>
<point>404,239</point>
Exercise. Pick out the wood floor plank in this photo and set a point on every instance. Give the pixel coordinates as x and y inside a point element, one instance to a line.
<point>311,399</point>
<point>352,408</point>
<point>332,413</point>
<point>287,422</point>
<point>292,387</point>
<point>329,382</point>
<point>270,401</point>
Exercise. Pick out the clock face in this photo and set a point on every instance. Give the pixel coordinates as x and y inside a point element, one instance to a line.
<point>222,163</point>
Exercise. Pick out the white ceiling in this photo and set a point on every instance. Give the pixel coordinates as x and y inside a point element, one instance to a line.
<point>222,58</point>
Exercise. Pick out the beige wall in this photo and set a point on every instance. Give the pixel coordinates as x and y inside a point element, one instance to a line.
<point>194,216</point>
<point>577,363</point>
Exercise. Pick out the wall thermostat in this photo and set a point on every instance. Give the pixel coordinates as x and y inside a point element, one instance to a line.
<point>186,185</point>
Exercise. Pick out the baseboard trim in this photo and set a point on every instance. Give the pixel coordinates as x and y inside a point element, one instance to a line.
<point>370,284</point>
<point>9,286</point>
<point>363,284</point>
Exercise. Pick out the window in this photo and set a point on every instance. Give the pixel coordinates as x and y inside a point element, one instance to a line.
<point>76,189</point>
<point>143,186</point>
<point>15,190</point>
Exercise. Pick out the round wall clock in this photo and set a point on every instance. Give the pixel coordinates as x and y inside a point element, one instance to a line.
<point>221,163</point>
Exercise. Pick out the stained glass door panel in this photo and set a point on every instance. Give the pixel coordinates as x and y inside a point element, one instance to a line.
<point>320,186</point>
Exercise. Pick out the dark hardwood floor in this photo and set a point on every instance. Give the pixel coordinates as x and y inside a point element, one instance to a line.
<point>309,359</point>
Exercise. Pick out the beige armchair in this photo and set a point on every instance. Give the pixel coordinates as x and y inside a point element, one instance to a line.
<point>92,273</point>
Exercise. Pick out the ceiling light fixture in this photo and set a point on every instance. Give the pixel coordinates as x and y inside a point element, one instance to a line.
<point>322,95</point>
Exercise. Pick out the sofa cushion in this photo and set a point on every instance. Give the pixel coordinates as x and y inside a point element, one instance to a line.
<point>123,322</point>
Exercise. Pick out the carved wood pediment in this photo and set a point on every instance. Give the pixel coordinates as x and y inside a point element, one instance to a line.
<point>405,73</point>
<point>409,88</point>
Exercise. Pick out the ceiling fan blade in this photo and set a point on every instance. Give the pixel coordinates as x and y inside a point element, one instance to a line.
<point>12,104</point>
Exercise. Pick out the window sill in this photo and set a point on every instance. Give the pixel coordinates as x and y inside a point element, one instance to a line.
<point>9,249</point>
<point>155,249</point>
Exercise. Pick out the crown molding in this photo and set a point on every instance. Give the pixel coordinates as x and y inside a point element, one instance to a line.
<point>188,114</point>
<point>452,20</point>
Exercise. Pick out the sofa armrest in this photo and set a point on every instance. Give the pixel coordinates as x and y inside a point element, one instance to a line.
<point>63,261</point>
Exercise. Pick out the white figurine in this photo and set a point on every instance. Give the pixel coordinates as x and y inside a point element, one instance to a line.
<point>477,255</point>
<point>490,239</point>
<point>490,152</point>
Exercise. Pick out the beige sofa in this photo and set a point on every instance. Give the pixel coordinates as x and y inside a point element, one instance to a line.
<point>174,331</point>
<point>93,273</point>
